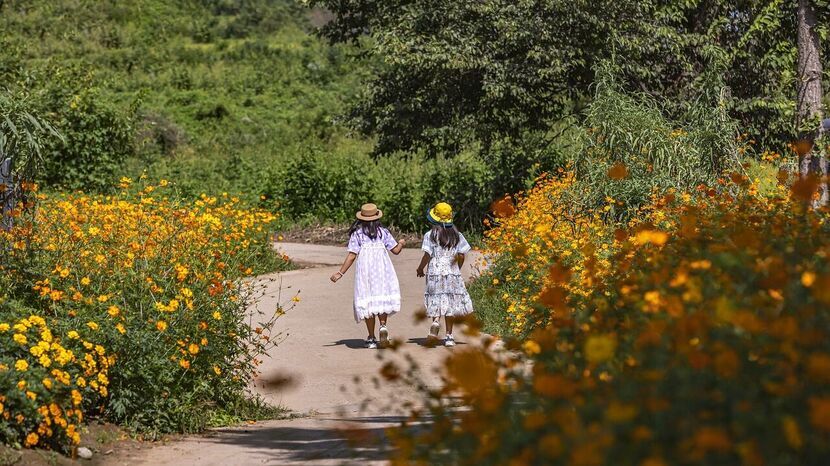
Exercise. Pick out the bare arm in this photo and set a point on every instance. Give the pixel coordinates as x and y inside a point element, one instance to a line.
<point>423,264</point>
<point>345,267</point>
<point>460,259</point>
<point>398,248</point>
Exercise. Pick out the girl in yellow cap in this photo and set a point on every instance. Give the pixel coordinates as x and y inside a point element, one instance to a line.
<point>444,250</point>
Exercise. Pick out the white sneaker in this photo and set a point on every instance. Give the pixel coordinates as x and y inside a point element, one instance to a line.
<point>433,330</point>
<point>449,341</point>
<point>371,343</point>
<point>384,336</point>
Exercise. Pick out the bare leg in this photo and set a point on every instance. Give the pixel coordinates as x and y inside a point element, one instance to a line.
<point>370,326</point>
<point>382,319</point>
<point>448,321</point>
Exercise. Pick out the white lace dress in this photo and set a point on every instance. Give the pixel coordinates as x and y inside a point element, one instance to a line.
<point>376,288</point>
<point>445,293</point>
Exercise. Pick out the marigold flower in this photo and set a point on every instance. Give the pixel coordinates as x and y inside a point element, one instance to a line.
<point>32,439</point>
<point>600,348</point>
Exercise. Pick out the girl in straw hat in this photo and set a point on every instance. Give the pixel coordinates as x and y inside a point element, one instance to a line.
<point>444,250</point>
<point>376,289</point>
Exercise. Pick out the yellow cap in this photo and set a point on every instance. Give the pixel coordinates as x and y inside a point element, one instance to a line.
<point>441,213</point>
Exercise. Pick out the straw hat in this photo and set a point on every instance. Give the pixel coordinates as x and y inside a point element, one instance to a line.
<point>441,214</point>
<point>369,212</point>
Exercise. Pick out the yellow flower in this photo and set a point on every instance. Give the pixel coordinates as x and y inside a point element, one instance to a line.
<point>184,363</point>
<point>217,315</point>
<point>76,397</point>
<point>600,348</point>
<point>92,325</point>
<point>161,325</point>
<point>72,334</point>
<point>531,347</point>
<point>21,365</point>
<point>121,329</point>
<point>657,238</point>
<point>32,439</point>
<point>619,413</point>
<point>20,338</point>
<point>4,327</point>
<point>217,370</point>
<point>792,433</point>
<point>113,311</point>
<point>85,281</point>
<point>193,349</point>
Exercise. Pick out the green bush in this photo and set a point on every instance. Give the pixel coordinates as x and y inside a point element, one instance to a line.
<point>314,184</point>
<point>631,130</point>
<point>98,139</point>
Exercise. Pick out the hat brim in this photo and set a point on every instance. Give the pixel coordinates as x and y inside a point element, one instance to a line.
<point>365,218</point>
<point>433,219</point>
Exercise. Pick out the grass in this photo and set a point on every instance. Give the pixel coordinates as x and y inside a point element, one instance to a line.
<point>246,409</point>
<point>489,309</point>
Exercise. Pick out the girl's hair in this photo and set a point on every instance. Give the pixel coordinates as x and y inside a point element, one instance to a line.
<point>373,229</point>
<point>447,237</point>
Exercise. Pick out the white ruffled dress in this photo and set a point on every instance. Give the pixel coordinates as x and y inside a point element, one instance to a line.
<point>376,288</point>
<point>445,293</point>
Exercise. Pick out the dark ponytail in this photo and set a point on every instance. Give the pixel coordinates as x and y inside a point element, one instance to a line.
<point>373,228</point>
<point>446,237</point>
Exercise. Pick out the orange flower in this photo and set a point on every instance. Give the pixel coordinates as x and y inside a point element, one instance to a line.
<point>820,413</point>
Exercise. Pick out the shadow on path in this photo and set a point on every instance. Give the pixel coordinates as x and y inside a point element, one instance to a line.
<point>352,343</point>
<point>432,343</point>
<point>303,444</point>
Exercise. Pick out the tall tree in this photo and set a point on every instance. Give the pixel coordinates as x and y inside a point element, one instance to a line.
<point>448,72</point>
<point>809,95</point>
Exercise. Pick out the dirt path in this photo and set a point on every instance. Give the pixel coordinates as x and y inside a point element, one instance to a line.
<point>322,354</point>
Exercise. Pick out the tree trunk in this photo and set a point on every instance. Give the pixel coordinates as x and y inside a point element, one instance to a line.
<point>809,95</point>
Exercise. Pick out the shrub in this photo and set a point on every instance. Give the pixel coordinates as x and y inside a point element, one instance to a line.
<point>159,284</point>
<point>548,224</point>
<point>47,381</point>
<point>632,130</point>
<point>705,342</point>
<point>98,139</point>
<point>314,184</point>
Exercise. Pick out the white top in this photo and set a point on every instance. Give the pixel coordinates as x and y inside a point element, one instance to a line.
<point>443,260</point>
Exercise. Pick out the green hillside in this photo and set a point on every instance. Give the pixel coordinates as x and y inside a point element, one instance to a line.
<point>237,96</point>
<point>212,94</point>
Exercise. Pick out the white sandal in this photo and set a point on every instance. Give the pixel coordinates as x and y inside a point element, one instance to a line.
<point>383,333</point>
<point>434,328</point>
